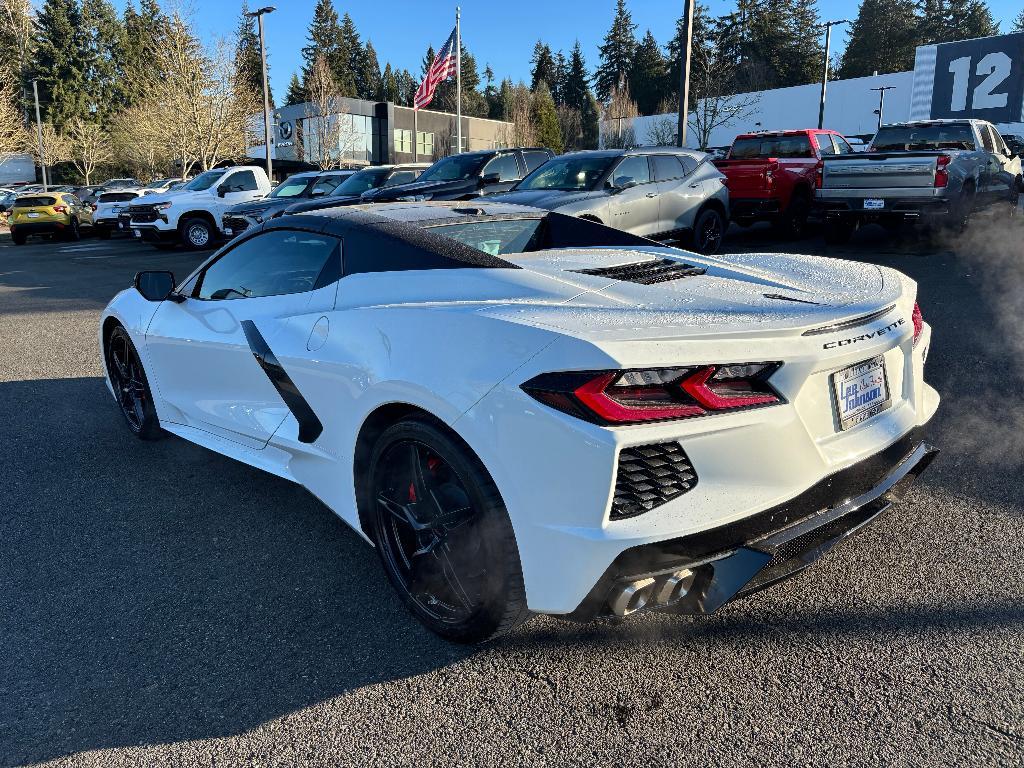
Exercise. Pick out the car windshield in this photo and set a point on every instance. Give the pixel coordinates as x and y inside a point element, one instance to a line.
<point>454,168</point>
<point>291,187</point>
<point>495,236</point>
<point>771,146</point>
<point>568,173</point>
<point>359,182</point>
<point>204,180</point>
<point>904,138</point>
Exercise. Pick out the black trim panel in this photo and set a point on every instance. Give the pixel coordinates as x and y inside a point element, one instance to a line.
<point>309,425</point>
<point>852,323</point>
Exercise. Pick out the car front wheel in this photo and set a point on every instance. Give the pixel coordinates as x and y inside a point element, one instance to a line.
<point>197,234</point>
<point>131,389</point>
<point>443,534</point>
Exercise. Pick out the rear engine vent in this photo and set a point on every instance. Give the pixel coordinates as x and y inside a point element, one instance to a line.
<point>646,272</point>
<point>649,476</point>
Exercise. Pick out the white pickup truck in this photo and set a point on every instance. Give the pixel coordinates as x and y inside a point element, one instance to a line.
<point>191,215</point>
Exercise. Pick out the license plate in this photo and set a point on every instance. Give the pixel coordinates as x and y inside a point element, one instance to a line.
<point>33,215</point>
<point>874,205</point>
<point>137,233</point>
<point>115,211</point>
<point>861,391</point>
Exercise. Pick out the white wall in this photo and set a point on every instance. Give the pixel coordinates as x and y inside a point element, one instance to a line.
<point>16,168</point>
<point>849,109</point>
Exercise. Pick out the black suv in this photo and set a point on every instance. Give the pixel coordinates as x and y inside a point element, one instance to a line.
<point>1015,144</point>
<point>460,177</point>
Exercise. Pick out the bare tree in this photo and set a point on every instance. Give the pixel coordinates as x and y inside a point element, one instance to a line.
<point>571,122</point>
<point>88,147</point>
<point>522,133</point>
<point>711,73</point>
<point>662,131</point>
<point>327,132</point>
<point>13,136</point>
<point>617,118</point>
<point>55,147</point>
<point>138,142</point>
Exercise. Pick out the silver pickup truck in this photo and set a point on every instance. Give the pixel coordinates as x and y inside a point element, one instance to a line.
<point>933,171</point>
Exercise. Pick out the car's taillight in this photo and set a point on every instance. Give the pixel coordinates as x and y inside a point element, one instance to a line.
<point>918,321</point>
<point>656,394</point>
<point>60,209</point>
<point>819,174</point>
<point>942,170</point>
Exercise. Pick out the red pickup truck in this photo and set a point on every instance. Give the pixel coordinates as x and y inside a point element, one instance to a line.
<point>772,175</point>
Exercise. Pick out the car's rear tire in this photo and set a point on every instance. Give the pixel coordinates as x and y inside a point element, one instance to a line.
<point>959,217</point>
<point>18,239</point>
<point>443,534</point>
<point>793,222</point>
<point>73,233</point>
<point>131,388</point>
<point>197,234</point>
<point>839,231</point>
<point>708,231</point>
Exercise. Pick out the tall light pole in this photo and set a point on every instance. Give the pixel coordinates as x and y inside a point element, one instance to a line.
<point>881,100</point>
<point>258,15</point>
<point>684,72</point>
<point>824,71</point>
<point>39,134</point>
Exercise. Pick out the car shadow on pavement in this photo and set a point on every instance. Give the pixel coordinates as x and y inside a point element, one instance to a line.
<point>154,592</point>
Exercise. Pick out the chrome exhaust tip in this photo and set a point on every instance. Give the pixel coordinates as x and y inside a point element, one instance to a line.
<point>631,597</point>
<point>675,587</point>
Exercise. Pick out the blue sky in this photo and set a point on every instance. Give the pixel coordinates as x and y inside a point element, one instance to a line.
<point>501,34</point>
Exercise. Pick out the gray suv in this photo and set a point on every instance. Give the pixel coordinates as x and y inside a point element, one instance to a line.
<point>658,192</point>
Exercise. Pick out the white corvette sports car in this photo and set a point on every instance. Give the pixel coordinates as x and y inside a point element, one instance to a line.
<point>526,412</point>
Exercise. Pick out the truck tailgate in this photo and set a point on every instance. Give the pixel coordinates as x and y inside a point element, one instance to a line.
<point>748,178</point>
<point>880,170</point>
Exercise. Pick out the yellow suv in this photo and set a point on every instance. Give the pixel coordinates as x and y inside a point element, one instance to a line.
<point>48,213</point>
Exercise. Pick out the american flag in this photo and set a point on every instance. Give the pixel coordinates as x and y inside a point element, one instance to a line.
<point>444,66</point>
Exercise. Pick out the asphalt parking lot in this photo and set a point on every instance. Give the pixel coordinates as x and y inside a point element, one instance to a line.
<point>164,605</point>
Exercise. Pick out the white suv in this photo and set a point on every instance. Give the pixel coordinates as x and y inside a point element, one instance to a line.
<point>191,215</point>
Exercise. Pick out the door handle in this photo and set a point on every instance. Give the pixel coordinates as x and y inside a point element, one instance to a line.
<point>695,186</point>
<point>651,194</point>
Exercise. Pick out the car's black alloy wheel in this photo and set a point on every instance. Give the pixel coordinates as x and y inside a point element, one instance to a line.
<point>443,534</point>
<point>708,231</point>
<point>128,380</point>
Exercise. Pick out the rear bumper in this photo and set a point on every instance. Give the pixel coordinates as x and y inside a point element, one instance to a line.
<point>39,227</point>
<point>734,560</point>
<point>853,208</point>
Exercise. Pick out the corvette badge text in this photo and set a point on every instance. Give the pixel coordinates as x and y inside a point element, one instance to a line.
<point>865,336</point>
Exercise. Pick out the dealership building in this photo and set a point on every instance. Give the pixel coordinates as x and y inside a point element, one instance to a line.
<point>981,78</point>
<point>372,133</point>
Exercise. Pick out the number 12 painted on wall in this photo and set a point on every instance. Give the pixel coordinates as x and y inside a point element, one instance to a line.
<point>995,68</point>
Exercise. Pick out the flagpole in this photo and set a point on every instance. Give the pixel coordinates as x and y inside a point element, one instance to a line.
<point>458,79</point>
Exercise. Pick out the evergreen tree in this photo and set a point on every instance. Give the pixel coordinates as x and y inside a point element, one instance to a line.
<point>576,90</point>
<point>616,52</point>
<point>370,75</point>
<point>1018,23</point>
<point>943,21</point>
<point>805,52</point>
<point>102,36</point>
<point>490,91</point>
<point>703,36</point>
<point>248,60</point>
<point>428,60</point>
<point>326,38</point>
<point>543,67</point>
<point>501,107</point>
<point>647,76</point>
<point>883,37</point>
<point>473,103</point>
<point>389,86</point>
<point>545,118</point>
<point>296,94</point>
<point>407,85</point>
<point>591,116</point>
<point>363,80</point>
<point>561,74</point>
<point>58,64</point>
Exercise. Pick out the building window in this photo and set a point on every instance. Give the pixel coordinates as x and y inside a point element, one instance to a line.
<point>424,144</point>
<point>403,140</point>
<point>338,138</point>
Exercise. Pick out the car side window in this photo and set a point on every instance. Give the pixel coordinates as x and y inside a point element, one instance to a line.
<point>825,145</point>
<point>243,181</point>
<point>667,167</point>
<point>842,145</point>
<point>633,168</point>
<point>281,261</point>
<point>535,160</point>
<point>400,177</point>
<point>986,138</point>
<point>325,185</point>
<point>506,166</point>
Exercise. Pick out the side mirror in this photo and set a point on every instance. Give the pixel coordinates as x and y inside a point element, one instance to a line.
<point>222,190</point>
<point>154,286</point>
<point>490,178</point>
<point>318,193</point>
